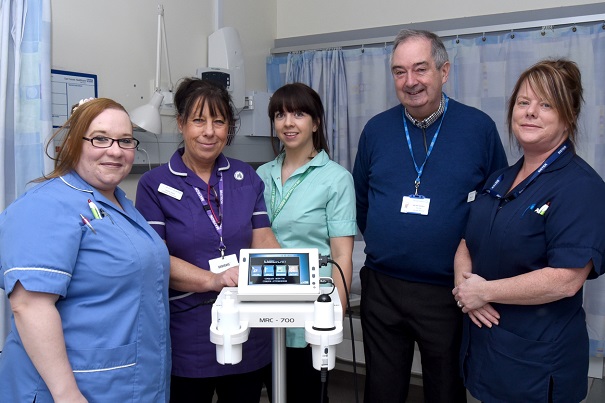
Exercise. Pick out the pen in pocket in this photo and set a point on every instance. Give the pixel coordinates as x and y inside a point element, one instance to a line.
<point>106,214</point>
<point>87,223</point>
<point>543,209</point>
<point>530,207</point>
<point>94,210</point>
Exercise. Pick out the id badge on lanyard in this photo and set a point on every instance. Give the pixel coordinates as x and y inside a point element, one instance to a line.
<point>417,203</point>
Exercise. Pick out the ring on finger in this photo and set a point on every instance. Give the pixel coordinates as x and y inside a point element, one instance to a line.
<point>459,304</point>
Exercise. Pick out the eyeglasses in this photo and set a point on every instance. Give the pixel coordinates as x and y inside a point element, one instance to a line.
<point>127,143</point>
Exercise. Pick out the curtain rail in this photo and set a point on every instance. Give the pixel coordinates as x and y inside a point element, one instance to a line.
<point>387,40</point>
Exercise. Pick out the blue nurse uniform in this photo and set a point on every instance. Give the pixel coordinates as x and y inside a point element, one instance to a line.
<point>534,347</point>
<point>113,288</point>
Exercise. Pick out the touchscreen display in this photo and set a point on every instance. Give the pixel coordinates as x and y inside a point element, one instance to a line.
<point>284,269</point>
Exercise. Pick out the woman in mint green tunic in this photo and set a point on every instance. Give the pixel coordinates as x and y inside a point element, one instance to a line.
<point>311,202</point>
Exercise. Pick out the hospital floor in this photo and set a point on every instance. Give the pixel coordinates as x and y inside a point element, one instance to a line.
<point>342,390</point>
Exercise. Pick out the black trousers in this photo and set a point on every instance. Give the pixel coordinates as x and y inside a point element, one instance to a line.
<point>303,382</point>
<point>394,315</point>
<point>240,388</point>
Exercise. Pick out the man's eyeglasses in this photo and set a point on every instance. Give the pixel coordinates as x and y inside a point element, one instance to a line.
<point>127,143</point>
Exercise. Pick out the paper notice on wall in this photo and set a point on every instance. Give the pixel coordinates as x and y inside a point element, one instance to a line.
<point>68,88</point>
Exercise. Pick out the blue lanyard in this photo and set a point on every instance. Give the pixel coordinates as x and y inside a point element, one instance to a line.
<point>552,158</point>
<point>407,136</point>
<point>218,226</point>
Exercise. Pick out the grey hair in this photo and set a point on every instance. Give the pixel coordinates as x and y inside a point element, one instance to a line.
<point>438,51</point>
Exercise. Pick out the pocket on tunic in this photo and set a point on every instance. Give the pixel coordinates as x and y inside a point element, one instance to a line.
<point>105,374</point>
<point>102,359</point>
<point>517,369</point>
<point>102,375</point>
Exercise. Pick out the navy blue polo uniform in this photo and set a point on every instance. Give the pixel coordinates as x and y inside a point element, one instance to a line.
<point>557,221</point>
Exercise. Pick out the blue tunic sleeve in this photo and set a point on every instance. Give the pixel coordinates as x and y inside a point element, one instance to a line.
<point>39,240</point>
<point>575,222</point>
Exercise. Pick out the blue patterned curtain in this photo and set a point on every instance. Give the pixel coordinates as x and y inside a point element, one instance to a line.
<point>25,102</point>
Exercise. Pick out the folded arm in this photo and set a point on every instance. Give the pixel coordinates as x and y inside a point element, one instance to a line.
<point>483,315</point>
<point>533,288</point>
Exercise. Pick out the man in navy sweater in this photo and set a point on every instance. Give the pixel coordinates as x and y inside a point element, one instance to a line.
<point>418,166</point>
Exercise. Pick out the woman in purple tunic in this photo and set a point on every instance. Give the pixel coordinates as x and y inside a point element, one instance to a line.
<point>205,205</point>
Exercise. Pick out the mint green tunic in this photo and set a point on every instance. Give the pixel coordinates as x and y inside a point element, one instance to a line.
<point>322,206</point>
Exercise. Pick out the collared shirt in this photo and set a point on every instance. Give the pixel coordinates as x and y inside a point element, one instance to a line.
<point>432,118</point>
<point>112,285</point>
<point>320,208</point>
<point>181,221</point>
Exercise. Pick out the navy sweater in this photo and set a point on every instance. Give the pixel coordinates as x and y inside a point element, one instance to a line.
<point>414,247</point>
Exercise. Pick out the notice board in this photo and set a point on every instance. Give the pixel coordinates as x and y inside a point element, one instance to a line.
<point>68,88</point>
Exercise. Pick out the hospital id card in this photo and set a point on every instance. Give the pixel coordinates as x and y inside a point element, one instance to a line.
<point>415,205</point>
<point>220,264</point>
<point>170,191</point>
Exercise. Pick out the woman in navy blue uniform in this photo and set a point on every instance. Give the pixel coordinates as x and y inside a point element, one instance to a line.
<point>534,236</point>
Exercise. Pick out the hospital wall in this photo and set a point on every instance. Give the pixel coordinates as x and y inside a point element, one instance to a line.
<point>311,17</point>
<point>116,40</point>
